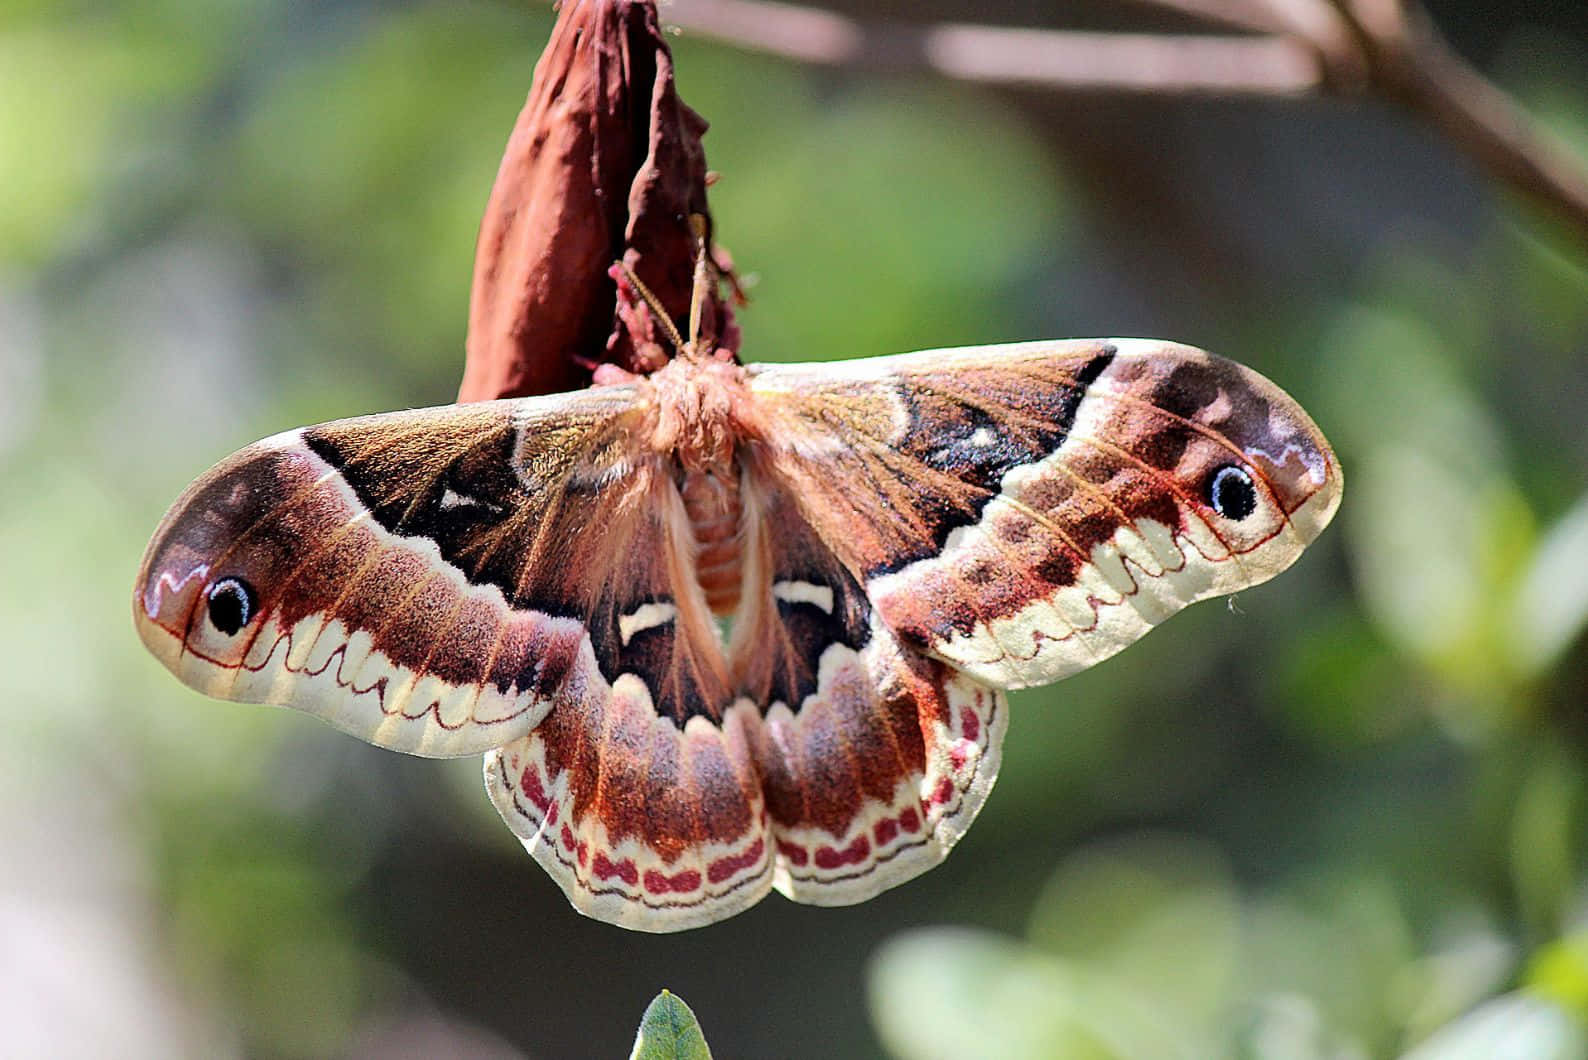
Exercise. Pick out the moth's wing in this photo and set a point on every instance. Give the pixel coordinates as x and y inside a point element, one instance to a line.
<point>389,572</point>
<point>1022,512</point>
<point>511,577</point>
<point>875,779</point>
<point>643,823</point>
<point>638,792</point>
<point>873,759</point>
<point>842,765</point>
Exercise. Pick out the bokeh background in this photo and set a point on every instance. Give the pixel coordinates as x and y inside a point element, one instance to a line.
<point>1344,815</point>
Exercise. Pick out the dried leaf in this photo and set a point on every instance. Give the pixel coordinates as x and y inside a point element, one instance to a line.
<point>604,163</point>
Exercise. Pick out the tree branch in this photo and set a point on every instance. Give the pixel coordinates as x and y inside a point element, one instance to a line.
<point>1039,58</point>
<point>1409,63</point>
<point>1384,49</point>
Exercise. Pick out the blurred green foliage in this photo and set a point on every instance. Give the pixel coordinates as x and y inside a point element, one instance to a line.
<point>1343,816</point>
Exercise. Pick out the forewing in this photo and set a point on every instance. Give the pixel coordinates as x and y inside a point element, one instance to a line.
<point>1024,511</point>
<point>411,577</point>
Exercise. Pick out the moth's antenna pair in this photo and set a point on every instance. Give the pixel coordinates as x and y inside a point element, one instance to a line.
<point>697,298</point>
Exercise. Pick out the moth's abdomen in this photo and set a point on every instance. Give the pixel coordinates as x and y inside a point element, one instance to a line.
<point>712,500</point>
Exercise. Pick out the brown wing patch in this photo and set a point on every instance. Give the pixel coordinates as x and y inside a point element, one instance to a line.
<point>879,773</point>
<point>424,534</point>
<point>642,823</point>
<point>329,611</point>
<point>892,463</point>
<point>659,828</point>
<point>1041,506</point>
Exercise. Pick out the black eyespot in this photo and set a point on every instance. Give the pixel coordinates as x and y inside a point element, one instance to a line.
<point>231,605</point>
<point>1231,492</point>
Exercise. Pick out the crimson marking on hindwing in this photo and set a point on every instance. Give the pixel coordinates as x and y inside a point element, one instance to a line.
<point>828,857</point>
<point>718,870</point>
<point>658,882</point>
<point>910,820</point>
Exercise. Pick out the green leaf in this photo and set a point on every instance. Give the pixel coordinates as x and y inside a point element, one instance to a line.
<point>60,145</point>
<point>1423,588</point>
<point>1118,908</point>
<point>669,1031</point>
<point>1559,973</point>
<point>1544,839</point>
<point>1513,1027</point>
<point>940,993</point>
<point>1551,605</point>
<point>1337,945</point>
<point>1396,384</point>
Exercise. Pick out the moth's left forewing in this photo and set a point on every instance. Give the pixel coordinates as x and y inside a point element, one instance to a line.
<point>368,571</point>
<point>1025,511</point>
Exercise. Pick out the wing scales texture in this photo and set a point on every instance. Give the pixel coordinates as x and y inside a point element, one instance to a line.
<point>1019,548</point>
<point>915,534</point>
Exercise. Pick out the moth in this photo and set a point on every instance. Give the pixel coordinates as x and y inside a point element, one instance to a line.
<point>724,629</point>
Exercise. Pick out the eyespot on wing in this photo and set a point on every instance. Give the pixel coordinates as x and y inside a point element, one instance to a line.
<point>209,571</point>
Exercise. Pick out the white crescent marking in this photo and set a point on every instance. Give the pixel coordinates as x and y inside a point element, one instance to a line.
<point>794,592</point>
<point>646,616</point>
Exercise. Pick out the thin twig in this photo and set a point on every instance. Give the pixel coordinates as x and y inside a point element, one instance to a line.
<point>1408,62</point>
<point>1376,48</point>
<point>1040,58</point>
<point>1254,16</point>
<point>1135,62</point>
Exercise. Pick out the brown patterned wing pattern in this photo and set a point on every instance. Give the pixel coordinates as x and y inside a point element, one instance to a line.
<point>511,577</point>
<point>897,541</point>
<point>1022,512</point>
<point>843,765</point>
<point>406,576</point>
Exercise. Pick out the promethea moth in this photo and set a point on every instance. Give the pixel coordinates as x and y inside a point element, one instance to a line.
<point>724,629</point>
